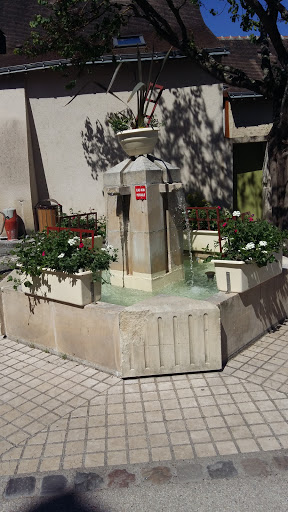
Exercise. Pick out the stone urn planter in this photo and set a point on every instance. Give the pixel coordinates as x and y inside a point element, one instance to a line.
<point>77,289</point>
<point>139,141</point>
<point>238,276</point>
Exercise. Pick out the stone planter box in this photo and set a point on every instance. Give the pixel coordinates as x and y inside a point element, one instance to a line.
<point>77,289</point>
<point>200,239</point>
<point>237,276</point>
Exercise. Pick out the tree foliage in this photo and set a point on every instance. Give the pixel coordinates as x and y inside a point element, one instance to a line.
<point>79,30</point>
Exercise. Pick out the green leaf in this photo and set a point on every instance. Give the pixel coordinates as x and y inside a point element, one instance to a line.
<point>114,76</point>
<point>137,88</point>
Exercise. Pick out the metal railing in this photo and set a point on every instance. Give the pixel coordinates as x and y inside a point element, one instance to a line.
<point>80,220</point>
<point>88,232</point>
<point>209,222</point>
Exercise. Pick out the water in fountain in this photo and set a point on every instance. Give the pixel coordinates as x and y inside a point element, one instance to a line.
<point>182,206</point>
<point>201,290</point>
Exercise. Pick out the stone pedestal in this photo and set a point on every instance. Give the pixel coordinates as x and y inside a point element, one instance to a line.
<point>144,222</point>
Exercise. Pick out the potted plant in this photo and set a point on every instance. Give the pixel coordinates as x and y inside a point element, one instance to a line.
<point>60,265</point>
<point>137,133</point>
<point>252,253</point>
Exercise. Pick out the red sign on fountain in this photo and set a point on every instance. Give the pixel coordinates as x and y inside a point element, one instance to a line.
<point>140,192</point>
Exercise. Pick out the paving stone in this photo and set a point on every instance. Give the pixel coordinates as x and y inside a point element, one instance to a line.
<point>255,467</point>
<point>17,487</point>
<point>53,484</point>
<point>281,462</point>
<point>157,475</point>
<point>88,482</point>
<point>120,478</point>
<point>222,469</point>
<point>189,472</point>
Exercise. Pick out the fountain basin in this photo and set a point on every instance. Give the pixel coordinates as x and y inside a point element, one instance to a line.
<point>161,335</point>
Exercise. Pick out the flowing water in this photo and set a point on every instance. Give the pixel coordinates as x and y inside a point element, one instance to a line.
<point>182,207</point>
<point>202,287</point>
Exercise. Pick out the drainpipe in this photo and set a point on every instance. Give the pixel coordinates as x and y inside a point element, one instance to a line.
<point>226,114</point>
<point>3,222</point>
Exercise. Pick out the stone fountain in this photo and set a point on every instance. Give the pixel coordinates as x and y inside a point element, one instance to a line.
<point>163,334</point>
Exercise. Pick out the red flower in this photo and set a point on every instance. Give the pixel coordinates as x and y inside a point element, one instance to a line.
<point>235,230</point>
<point>43,253</point>
<point>250,219</point>
<point>225,224</point>
<point>219,207</point>
<point>81,245</point>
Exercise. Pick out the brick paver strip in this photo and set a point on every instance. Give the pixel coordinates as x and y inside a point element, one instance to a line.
<point>189,472</point>
<point>87,482</point>
<point>157,475</point>
<point>53,484</point>
<point>17,487</point>
<point>222,469</point>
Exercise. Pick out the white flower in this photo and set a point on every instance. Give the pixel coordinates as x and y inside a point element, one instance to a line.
<point>73,241</point>
<point>108,248</point>
<point>236,213</point>
<point>61,255</point>
<point>249,246</point>
<point>265,252</point>
<point>262,243</point>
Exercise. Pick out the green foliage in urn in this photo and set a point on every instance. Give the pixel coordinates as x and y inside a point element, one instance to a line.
<point>62,252</point>
<point>144,90</point>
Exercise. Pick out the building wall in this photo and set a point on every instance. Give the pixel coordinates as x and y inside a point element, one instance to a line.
<point>250,118</point>
<point>71,145</point>
<point>17,180</point>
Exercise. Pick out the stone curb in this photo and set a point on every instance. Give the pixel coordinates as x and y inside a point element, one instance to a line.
<point>183,472</point>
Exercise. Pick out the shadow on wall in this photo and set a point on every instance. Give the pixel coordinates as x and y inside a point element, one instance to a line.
<point>101,149</point>
<point>192,140</point>
<point>188,139</point>
<point>40,177</point>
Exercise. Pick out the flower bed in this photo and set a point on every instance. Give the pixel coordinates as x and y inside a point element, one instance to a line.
<point>252,253</point>
<point>66,252</point>
<point>251,241</point>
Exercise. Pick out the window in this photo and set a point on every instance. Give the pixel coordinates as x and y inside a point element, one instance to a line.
<point>126,41</point>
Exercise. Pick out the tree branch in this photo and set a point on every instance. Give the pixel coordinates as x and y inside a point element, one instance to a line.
<point>150,14</point>
<point>270,25</point>
<point>227,74</point>
<point>176,12</point>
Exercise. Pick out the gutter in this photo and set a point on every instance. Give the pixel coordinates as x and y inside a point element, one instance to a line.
<point>105,59</point>
<point>240,95</point>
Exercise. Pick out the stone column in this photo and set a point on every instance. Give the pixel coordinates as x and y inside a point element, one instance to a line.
<point>144,223</point>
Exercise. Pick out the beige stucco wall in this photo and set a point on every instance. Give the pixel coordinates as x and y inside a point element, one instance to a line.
<point>72,145</point>
<point>16,171</point>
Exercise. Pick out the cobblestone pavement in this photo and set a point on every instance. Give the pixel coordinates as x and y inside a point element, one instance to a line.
<point>57,415</point>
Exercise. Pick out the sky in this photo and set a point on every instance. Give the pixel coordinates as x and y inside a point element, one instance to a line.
<point>222,25</point>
